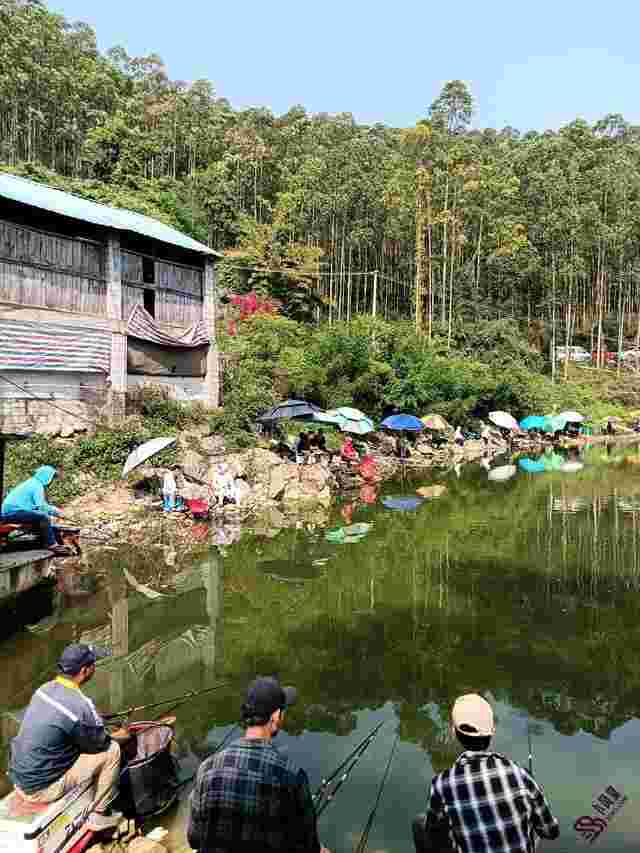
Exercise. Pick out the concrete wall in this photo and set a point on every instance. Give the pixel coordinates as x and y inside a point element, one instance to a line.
<point>185,389</point>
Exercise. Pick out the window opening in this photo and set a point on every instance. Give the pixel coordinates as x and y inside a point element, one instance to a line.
<point>148,271</point>
<point>150,302</point>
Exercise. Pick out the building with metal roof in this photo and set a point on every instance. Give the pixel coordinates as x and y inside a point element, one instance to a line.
<point>93,300</point>
<point>34,194</point>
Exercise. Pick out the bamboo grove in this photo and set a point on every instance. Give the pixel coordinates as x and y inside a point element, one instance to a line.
<point>441,222</point>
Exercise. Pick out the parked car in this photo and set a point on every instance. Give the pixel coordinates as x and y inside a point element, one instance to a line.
<point>578,354</point>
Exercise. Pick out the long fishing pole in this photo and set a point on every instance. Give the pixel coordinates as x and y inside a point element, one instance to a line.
<point>360,746</point>
<point>178,700</point>
<point>362,844</point>
<point>530,750</point>
<point>324,797</point>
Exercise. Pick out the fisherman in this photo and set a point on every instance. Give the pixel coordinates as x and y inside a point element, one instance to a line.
<point>26,504</point>
<point>485,802</point>
<point>250,798</point>
<point>62,741</point>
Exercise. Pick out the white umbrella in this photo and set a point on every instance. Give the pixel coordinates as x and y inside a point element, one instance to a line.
<point>504,420</point>
<point>504,472</point>
<point>140,454</point>
<point>572,417</point>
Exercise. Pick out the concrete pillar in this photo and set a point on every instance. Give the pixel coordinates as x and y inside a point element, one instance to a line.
<point>209,316</point>
<point>212,580</point>
<point>113,275</point>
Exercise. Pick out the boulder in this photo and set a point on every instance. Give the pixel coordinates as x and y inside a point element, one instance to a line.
<point>194,466</point>
<point>212,445</point>
<point>259,465</point>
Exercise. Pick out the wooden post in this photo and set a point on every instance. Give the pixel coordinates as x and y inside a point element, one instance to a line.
<point>209,312</point>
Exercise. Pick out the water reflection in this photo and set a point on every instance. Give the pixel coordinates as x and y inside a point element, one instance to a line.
<point>523,590</point>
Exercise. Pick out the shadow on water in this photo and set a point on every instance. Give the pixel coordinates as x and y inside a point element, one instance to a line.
<point>524,589</point>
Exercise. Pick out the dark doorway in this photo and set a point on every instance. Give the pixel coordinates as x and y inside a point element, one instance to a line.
<point>150,302</point>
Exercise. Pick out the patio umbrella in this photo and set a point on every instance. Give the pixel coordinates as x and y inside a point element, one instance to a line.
<point>503,472</point>
<point>572,417</point>
<point>402,503</point>
<point>531,466</point>
<point>353,420</point>
<point>504,420</point>
<point>436,422</point>
<point>553,423</point>
<point>403,422</point>
<point>140,454</point>
<point>289,409</point>
<point>532,422</point>
<point>327,418</point>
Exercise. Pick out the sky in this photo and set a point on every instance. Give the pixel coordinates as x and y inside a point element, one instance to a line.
<point>534,65</point>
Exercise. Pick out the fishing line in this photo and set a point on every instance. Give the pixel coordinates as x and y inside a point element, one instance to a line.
<point>362,844</point>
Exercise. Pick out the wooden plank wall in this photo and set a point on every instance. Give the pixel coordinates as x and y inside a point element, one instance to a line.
<point>178,290</point>
<point>39,268</point>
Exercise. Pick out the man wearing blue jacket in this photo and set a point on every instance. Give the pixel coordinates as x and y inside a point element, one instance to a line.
<point>26,503</point>
<point>62,741</point>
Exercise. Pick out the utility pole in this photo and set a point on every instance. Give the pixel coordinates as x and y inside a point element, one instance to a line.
<point>374,307</point>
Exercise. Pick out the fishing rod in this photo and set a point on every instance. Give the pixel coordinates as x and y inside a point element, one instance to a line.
<point>325,793</point>
<point>530,750</point>
<point>362,844</point>
<point>178,700</point>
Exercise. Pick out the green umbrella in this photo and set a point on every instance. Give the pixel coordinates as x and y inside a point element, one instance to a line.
<point>552,423</point>
<point>353,420</point>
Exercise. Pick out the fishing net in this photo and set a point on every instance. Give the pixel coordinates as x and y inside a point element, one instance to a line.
<point>149,779</point>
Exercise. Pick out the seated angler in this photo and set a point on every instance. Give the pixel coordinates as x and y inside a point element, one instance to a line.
<point>62,741</point>
<point>26,504</point>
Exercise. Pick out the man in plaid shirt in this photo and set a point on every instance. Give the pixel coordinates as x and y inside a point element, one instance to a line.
<point>485,803</point>
<point>249,798</point>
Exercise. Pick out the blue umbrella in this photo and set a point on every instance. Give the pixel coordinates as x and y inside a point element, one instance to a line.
<point>533,422</point>
<point>531,466</point>
<point>403,422</point>
<point>405,504</point>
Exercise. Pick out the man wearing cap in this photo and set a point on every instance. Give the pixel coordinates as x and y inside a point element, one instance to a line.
<point>249,798</point>
<point>485,802</point>
<point>62,740</point>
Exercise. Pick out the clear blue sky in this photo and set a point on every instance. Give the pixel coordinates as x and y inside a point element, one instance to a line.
<point>529,64</point>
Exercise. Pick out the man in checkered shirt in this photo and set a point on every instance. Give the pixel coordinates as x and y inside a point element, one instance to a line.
<point>250,798</point>
<point>485,803</point>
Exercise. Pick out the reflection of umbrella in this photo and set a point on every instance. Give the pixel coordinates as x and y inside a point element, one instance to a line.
<point>503,472</point>
<point>532,422</point>
<point>571,467</point>
<point>401,503</point>
<point>352,420</point>
<point>436,422</point>
<point>552,461</point>
<point>403,422</point>
<point>504,420</point>
<point>531,466</point>
<point>138,456</point>
<point>289,409</point>
<point>572,417</point>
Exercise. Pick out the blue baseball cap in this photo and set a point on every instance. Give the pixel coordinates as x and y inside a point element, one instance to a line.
<point>77,655</point>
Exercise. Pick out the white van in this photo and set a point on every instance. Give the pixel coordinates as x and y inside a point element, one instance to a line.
<point>579,354</point>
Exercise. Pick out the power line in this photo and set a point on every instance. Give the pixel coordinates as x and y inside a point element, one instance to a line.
<point>45,400</point>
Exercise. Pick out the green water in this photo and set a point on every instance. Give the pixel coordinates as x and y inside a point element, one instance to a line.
<point>525,590</point>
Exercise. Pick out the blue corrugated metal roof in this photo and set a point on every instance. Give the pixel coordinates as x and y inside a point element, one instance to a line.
<point>67,204</point>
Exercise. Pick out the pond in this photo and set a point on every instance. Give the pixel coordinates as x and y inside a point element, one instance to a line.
<point>521,585</point>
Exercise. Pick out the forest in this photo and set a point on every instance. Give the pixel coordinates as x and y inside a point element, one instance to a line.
<point>442,226</point>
